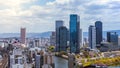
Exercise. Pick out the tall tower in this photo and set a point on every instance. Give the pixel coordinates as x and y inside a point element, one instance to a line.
<point>81,40</point>
<point>23,35</point>
<point>92,37</point>
<point>112,37</point>
<point>98,25</point>
<point>63,37</point>
<point>74,33</point>
<point>52,39</point>
<point>59,23</point>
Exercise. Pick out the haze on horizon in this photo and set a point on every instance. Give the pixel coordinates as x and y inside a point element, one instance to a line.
<point>40,15</point>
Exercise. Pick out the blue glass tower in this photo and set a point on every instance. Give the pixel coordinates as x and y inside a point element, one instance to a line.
<point>74,33</point>
<point>98,25</point>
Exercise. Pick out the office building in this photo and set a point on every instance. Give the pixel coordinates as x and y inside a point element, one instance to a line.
<point>74,33</point>
<point>59,23</point>
<point>98,25</point>
<point>81,40</point>
<point>112,37</point>
<point>108,36</point>
<point>63,37</point>
<point>52,39</point>
<point>119,41</point>
<point>23,35</point>
<point>37,61</point>
<point>85,42</point>
<point>36,41</point>
<point>92,37</point>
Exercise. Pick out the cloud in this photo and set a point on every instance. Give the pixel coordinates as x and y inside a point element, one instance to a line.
<point>39,18</point>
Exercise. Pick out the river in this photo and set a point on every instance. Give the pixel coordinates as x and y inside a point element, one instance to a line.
<point>60,63</point>
<point>63,63</point>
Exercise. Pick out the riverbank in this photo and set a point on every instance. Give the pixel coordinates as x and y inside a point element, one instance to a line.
<point>114,61</point>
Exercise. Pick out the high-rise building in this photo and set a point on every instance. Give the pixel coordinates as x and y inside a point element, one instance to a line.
<point>37,44</point>
<point>37,61</point>
<point>23,35</point>
<point>119,41</point>
<point>81,40</point>
<point>92,37</point>
<point>98,25</point>
<point>63,37</point>
<point>74,33</point>
<point>108,36</point>
<point>85,42</point>
<point>112,37</point>
<point>52,39</point>
<point>59,23</point>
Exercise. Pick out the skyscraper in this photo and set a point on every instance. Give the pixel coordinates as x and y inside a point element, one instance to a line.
<point>63,37</point>
<point>52,39</point>
<point>92,37</point>
<point>36,41</point>
<point>37,61</point>
<point>59,23</point>
<point>98,25</point>
<point>81,40</point>
<point>112,37</point>
<point>108,36</point>
<point>74,33</point>
<point>23,35</point>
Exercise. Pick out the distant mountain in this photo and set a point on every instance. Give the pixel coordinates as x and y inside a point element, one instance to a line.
<point>29,35</point>
<point>47,34</point>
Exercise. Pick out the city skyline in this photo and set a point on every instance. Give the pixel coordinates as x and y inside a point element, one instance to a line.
<point>35,15</point>
<point>59,34</point>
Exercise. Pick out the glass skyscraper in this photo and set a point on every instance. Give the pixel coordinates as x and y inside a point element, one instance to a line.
<point>98,25</point>
<point>112,37</point>
<point>74,33</point>
<point>92,37</point>
<point>59,23</point>
<point>63,37</point>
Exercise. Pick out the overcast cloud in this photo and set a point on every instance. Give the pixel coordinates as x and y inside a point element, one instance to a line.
<point>40,15</point>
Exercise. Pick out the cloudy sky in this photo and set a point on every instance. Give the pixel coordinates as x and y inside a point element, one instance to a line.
<point>40,15</point>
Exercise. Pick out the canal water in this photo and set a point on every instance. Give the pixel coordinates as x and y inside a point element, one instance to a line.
<point>60,63</point>
<point>63,63</point>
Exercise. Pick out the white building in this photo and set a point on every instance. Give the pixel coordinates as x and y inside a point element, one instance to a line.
<point>92,37</point>
<point>16,59</point>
